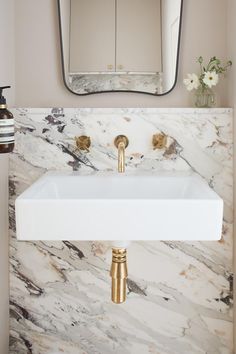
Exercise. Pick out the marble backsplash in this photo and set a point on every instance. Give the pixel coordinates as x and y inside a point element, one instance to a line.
<point>179,294</point>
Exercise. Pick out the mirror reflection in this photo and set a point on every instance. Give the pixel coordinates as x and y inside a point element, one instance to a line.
<point>120,45</point>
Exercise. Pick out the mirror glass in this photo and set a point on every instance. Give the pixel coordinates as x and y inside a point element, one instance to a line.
<point>120,45</point>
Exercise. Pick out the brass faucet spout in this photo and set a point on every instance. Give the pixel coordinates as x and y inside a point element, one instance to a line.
<point>121,157</point>
<point>121,142</point>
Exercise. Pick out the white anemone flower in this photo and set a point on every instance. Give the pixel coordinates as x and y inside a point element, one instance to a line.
<point>192,82</point>
<point>211,78</point>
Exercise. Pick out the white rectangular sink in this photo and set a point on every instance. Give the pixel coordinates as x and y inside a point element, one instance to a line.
<point>61,206</point>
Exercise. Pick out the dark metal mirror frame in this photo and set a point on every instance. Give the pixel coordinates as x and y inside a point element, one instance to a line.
<point>108,91</point>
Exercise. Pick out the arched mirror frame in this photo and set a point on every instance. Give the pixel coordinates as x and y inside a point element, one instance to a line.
<point>122,91</point>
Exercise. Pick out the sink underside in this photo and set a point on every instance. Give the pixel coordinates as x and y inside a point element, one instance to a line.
<point>119,207</point>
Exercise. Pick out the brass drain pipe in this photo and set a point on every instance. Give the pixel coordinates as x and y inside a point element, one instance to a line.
<point>119,275</point>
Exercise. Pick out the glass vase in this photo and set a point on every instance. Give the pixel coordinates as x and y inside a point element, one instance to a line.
<point>205,97</point>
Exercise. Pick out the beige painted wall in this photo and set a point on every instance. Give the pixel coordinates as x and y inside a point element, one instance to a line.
<point>38,67</point>
<point>6,77</point>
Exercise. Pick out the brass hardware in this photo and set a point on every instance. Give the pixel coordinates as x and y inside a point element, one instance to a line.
<point>83,142</point>
<point>120,67</point>
<point>109,66</point>
<point>121,142</point>
<point>159,141</point>
<point>119,274</point>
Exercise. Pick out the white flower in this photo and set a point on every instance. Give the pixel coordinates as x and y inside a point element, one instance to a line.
<point>211,78</point>
<point>192,82</point>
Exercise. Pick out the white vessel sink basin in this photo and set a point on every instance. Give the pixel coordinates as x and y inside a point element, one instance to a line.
<point>62,206</point>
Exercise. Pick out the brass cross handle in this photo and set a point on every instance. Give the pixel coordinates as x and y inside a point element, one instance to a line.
<point>83,142</point>
<point>159,141</point>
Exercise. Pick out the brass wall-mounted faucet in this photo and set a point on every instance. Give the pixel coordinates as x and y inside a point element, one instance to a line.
<point>121,142</point>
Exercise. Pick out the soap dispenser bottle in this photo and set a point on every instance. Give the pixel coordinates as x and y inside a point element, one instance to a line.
<point>6,125</point>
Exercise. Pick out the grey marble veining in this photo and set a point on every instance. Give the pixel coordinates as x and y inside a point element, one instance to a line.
<point>90,83</point>
<point>179,294</point>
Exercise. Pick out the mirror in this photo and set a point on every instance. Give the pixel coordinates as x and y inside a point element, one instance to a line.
<point>120,45</point>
